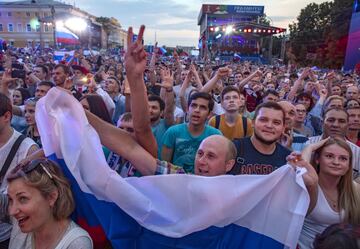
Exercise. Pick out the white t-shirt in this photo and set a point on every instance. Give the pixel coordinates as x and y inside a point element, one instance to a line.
<point>22,152</point>
<point>317,221</point>
<point>74,238</point>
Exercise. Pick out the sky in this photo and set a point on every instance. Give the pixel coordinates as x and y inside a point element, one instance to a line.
<point>175,21</point>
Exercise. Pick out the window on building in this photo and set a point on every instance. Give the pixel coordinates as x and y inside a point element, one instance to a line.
<point>19,27</point>
<point>37,28</point>
<point>28,27</point>
<point>10,27</point>
<point>9,14</point>
<point>1,27</point>
<point>27,14</point>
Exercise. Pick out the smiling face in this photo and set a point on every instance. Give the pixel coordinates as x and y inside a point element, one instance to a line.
<point>268,125</point>
<point>211,157</point>
<point>334,160</point>
<point>28,206</point>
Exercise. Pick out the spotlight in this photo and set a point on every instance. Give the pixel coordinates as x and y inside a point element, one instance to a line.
<point>228,29</point>
<point>76,23</point>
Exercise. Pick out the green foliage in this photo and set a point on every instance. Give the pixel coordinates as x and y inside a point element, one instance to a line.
<point>319,35</point>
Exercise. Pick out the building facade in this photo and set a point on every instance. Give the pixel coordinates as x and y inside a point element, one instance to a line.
<point>32,23</point>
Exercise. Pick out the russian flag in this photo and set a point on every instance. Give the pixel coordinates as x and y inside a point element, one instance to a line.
<point>59,55</point>
<point>65,36</point>
<point>172,211</point>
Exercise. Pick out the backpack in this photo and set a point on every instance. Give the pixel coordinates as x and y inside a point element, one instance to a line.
<point>244,121</point>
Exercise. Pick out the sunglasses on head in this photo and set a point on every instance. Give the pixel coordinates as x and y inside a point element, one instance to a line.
<point>21,170</point>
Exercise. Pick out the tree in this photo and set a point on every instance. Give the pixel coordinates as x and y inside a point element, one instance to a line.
<point>319,36</point>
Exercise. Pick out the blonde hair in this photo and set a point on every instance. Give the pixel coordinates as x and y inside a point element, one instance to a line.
<point>349,198</point>
<point>39,178</point>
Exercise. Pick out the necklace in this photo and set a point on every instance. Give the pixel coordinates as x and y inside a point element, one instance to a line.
<point>332,201</point>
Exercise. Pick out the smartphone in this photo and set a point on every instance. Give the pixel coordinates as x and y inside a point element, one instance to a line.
<point>17,66</point>
<point>18,74</point>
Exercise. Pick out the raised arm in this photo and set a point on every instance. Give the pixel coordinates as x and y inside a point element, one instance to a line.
<point>123,144</point>
<point>168,95</point>
<point>298,83</point>
<point>221,72</point>
<point>135,63</point>
<point>247,79</point>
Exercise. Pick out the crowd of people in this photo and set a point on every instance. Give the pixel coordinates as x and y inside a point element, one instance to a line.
<point>180,116</point>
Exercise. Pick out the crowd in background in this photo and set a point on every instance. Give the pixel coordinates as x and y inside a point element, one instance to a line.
<point>160,114</point>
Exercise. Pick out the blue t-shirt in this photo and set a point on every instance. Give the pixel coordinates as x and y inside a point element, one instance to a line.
<point>159,130</point>
<point>184,145</point>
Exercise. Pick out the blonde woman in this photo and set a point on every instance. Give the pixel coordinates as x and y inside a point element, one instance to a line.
<point>41,201</point>
<point>336,197</point>
<point>32,131</point>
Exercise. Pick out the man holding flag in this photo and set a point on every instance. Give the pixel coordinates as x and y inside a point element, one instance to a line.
<point>151,212</point>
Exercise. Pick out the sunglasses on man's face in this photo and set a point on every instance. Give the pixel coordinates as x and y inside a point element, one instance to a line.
<point>22,170</point>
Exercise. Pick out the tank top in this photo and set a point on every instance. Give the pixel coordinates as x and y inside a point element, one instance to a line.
<point>317,221</point>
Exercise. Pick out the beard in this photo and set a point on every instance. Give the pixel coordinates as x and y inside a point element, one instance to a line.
<point>264,141</point>
<point>154,118</point>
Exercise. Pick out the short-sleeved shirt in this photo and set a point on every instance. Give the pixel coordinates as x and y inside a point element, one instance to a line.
<point>252,162</point>
<point>165,168</point>
<point>232,132</point>
<point>185,145</point>
<point>159,130</point>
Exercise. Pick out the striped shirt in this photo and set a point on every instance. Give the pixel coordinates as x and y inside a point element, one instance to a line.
<point>355,153</point>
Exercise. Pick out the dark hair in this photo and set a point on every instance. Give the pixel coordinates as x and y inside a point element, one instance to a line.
<point>347,101</point>
<point>159,100</point>
<point>97,106</point>
<point>202,95</point>
<point>270,105</point>
<point>268,92</point>
<point>64,67</point>
<point>116,79</point>
<point>305,95</point>
<point>25,94</point>
<point>44,68</point>
<point>338,236</point>
<point>5,104</point>
<point>228,89</point>
<point>335,109</point>
<point>46,83</point>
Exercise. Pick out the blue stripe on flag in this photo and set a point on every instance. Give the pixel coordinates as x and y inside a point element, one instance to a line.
<point>124,232</point>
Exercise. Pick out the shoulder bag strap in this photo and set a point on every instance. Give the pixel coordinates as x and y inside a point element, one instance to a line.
<point>11,155</point>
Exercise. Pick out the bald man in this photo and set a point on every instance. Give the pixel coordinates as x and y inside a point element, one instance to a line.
<point>291,139</point>
<point>215,155</point>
